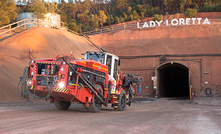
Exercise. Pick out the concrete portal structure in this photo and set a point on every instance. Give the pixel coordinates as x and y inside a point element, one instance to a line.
<point>172,80</point>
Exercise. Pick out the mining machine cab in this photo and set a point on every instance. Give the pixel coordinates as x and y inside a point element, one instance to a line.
<point>110,60</point>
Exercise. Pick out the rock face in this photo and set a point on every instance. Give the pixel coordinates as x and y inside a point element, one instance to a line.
<point>44,43</point>
<point>193,39</point>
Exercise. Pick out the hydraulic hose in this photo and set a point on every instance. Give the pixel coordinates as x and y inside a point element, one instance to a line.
<point>18,86</point>
<point>48,95</point>
<point>209,94</point>
<point>25,92</point>
<point>33,95</point>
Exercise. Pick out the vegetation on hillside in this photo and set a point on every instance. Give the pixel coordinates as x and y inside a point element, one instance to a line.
<point>89,15</point>
<point>8,11</point>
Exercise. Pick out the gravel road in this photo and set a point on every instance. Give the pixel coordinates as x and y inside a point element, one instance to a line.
<point>162,116</point>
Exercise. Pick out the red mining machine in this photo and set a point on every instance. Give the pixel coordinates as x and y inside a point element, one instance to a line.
<point>93,81</point>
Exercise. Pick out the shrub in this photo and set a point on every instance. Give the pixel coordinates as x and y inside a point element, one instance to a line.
<point>205,7</point>
<point>217,7</point>
<point>121,19</point>
<point>157,17</point>
<point>117,19</point>
<point>190,13</point>
<point>171,17</point>
<point>177,15</point>
<point>73,26</point>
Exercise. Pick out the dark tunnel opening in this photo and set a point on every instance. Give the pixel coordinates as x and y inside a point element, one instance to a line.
<point>173,80</point>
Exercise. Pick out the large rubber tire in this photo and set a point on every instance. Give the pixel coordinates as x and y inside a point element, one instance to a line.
<point>62,105</point>
<point>130,100</point>
<point>95,105</point>
<point>121,101</point>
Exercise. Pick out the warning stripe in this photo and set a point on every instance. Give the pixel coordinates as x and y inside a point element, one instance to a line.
<point>61,90</point>
<point>100,68</point>
<point>83,62</point>
<point>30,87</point>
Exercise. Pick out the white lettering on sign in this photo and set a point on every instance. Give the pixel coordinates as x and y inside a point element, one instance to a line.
<point>187,21</point>
<point>175,22</point>
<point>199,20</point>
<point>138,25</point>
<point>206,21</point>
<point>158,23</point>
<point>193,19</point>
<point>145,25</point>
<point>152,24</point>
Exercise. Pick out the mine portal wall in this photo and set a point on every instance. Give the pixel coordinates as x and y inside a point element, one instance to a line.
<point>196,47</point>
<point>204,71</point>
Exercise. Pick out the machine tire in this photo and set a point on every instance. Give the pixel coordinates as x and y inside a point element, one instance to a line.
<point>62,105</point>
<point>129,102</point>
<point>95,105</point>
<point>121,101</point>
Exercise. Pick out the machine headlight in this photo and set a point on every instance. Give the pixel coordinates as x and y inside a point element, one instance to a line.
<point>61,85</point>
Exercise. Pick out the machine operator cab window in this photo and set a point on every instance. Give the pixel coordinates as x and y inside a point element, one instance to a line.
<point>96,56</point>
<point>108,59</point>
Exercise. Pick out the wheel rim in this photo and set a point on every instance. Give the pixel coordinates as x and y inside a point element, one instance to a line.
<point>96,101</point>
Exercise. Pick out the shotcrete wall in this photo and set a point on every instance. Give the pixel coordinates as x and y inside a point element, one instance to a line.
<point>181,43</point>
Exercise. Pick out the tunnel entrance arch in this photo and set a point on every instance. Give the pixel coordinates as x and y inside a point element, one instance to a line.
<point>172,80</point>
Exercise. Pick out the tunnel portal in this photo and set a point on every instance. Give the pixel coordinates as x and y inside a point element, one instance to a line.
<point>172,80</point>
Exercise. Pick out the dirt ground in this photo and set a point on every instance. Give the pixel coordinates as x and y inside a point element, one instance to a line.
<point>162,116</point>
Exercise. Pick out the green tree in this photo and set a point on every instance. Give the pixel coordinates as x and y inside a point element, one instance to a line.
<point>182,9</point>
<point>112,19</point>
<point>211,8</point>
<point>131,17</point>
<point>149,10</point>
<point>157,17</point>
<point>197,7</point>
<point>142,15</point>
<point>217,7</point>
<point>95,20</point>
<point>190,13</point>
<point>171,17</point>
<point>51,8</point>
<point>73,26</point>
<point>121,4</point>
<point>135,15</point>
<point>129,9</point>
<point>38,9</point>
<point>125,15</point>
<point>117,19</point>
<point>7,11</point>
<point>205,7</point>
<point>122,19</point>
<point>103,18</point>
<point>177,16</point>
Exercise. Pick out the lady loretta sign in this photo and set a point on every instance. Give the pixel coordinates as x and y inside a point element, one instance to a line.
<point>175,22</point>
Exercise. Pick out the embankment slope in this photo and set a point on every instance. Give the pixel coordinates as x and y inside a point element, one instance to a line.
<point>44,43</point>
